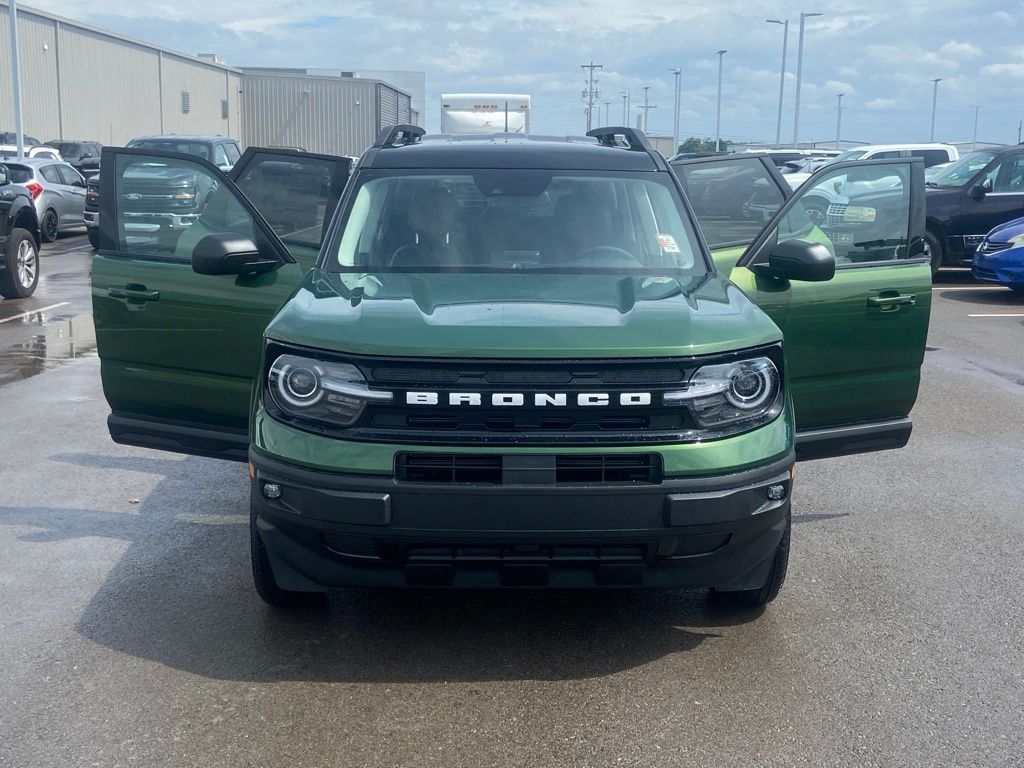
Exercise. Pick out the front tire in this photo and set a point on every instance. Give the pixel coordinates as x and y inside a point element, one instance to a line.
<point>760,597</point>
<point>93,234</point>
<point>20,275</point>
<point>49,226</point>
<point>266,585</point>
<point>933,249</point>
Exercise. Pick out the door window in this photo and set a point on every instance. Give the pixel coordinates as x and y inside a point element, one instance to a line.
<point>232,152</point>
<point>887,155</point>
<point>1008,176</point>
<point>51,174</point>
<point>862,215</point>
<point>165,206</point>
<point>931,156</point>
<point>220,156</point>
<point>293,193</point>
<point>732,199</point>
<point>70,176</point>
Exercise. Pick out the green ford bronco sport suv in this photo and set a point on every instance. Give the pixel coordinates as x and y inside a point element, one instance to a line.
<point>511,361</point>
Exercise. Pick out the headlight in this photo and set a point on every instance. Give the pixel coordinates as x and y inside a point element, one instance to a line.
<point>317,390</point>
<point>731,396</point>
<point>1017,241</point>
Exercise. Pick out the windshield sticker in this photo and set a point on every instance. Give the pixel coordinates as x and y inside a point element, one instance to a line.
<point>668,244</point>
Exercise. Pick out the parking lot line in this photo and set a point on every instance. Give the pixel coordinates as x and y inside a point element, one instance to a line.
<point>1000,314</point>
<point>33,312</point>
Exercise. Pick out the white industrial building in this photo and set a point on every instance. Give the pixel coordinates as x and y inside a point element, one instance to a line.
<point>83,83</point>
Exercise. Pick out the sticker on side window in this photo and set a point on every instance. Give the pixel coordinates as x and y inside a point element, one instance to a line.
<point>668,244</point>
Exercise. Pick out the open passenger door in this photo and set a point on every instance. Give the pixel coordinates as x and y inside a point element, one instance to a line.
<point>854,343</point>
<point>178,349</point>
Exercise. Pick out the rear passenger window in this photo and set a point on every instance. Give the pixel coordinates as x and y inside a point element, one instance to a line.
<point>931,156</point>
<point>51,174</point>
<point>732,199</point>
<point>888,155</point>
<point>70,176</point>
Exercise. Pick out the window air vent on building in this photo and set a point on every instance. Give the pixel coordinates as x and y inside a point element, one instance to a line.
<point>186,102</point>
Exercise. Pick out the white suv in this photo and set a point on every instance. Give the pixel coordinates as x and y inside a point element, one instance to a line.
<point>932,154</point>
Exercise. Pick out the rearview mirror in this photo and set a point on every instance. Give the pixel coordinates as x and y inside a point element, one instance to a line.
<point>799,260</point>
<point>230,254</point>
<point>978,191</point>
<point>4,178</point>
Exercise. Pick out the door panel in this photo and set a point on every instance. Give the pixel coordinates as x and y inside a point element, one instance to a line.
<point>179,350</point>
<point>854,344</point>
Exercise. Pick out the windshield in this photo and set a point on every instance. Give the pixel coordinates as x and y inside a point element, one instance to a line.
<point>196,148</point>
<point>850,154</point>
<point>67,149</point>
<point>959,172</point>
<point>518,220</point>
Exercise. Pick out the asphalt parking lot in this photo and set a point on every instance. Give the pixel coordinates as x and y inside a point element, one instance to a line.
<point>130,634</point>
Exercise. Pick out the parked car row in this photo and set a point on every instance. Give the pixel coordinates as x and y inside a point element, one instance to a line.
<point>83,156</point>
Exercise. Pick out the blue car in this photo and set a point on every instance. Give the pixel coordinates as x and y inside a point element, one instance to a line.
<point>1000,257</point>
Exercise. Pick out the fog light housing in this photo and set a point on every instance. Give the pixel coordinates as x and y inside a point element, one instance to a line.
<point>776,492</point>
<point>272,490</point>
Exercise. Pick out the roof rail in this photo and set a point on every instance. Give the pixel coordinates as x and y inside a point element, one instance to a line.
<point>398,136</point>
<point>632,138</point>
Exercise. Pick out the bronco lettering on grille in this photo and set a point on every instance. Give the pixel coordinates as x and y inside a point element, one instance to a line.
<point>520,399</point>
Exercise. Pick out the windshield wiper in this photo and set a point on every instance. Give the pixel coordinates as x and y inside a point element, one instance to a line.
<point>930,184</point>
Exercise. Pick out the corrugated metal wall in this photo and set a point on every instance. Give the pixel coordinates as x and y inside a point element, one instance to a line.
<point>320,114</point>
<point>79,83</point>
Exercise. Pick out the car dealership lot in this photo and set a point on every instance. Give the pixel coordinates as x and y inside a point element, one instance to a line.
<point>129,633</point>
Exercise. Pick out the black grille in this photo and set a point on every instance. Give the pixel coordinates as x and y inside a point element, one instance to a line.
<point>448,468</point>
<point>496,469</point>
<point>526,552</point>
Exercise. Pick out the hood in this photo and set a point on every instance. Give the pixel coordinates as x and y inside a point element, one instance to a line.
<point>520,316</point>
<point>159,174</point>
<point>1005,232</point>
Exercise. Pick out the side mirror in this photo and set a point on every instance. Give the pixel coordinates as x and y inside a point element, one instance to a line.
<point>978,191</point>
<point>230,254</point>
<point>799,260</point>
<point>4,176</point>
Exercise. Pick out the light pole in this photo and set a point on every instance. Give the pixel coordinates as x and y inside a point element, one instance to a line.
<point>12,20</point>
<point>677,73</point>
<point>646,107</point>
<point>625,107</point>
<point>607,112</point>
<point>977,109</point>
<point>718,107</point>
<point>799,78</point>
<point>839,117</point>
<point>935,100</point>
<point>782,77</point>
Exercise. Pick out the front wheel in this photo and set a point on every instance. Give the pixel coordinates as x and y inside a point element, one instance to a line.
<point>760,597</point>
<point>20,275</point>
<point>933,251</point>
<point>93,234</point>
<point>266,585</point>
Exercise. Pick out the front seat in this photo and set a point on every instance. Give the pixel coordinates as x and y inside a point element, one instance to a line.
<point>431,218</point>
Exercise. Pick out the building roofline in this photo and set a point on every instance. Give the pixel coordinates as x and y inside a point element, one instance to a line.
<point>191,58</point>
<point>304,74</point>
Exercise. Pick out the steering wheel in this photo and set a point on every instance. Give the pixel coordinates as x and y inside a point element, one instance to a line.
<point>406,256</point>
<point>604,255</point>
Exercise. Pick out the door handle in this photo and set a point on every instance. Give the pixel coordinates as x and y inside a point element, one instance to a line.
<point>892,303</point>
<point>134,293</point>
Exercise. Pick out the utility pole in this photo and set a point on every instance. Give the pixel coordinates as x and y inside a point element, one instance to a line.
<point>646,107</point>
<point>1020,129</point>
<point>935,100</point>
<point>839,117</point>
<point>677,72</point>
<point>718,108</point>
<point>799,78</point>
<point>12,20</point>
<point>625,107</point>
<point>782,77</point>
<point>591,93</point>
<point>977,109</point>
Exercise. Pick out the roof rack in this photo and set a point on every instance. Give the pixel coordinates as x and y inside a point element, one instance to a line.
<point>631,138</point>
<point>399,136</point>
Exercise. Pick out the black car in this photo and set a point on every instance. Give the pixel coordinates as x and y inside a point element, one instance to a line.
<point>10,137</point>
<point>969,197</point>
<point>20,239</point>
<point>83,156</point>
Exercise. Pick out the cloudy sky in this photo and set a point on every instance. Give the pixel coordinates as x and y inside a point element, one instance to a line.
<point>882,54</point>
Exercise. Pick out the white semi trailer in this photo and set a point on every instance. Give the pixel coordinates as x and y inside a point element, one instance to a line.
<point>485,113</point>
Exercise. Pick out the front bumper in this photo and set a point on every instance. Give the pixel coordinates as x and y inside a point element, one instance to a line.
<point>343,530</point>
<point>1005,267</point>
<point>91,218</point>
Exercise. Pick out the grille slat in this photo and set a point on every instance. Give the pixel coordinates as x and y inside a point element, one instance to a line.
<point>492,469</point>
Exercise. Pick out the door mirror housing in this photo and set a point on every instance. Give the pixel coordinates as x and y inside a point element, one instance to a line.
<point>799,260</point>
<point>978,191</point>
<point>230,254</point>
<point>5,178</point>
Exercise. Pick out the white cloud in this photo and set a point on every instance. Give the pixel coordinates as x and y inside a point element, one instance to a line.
<point>875,104</point>
<point>957,50</point>
<point>1004,69</point>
